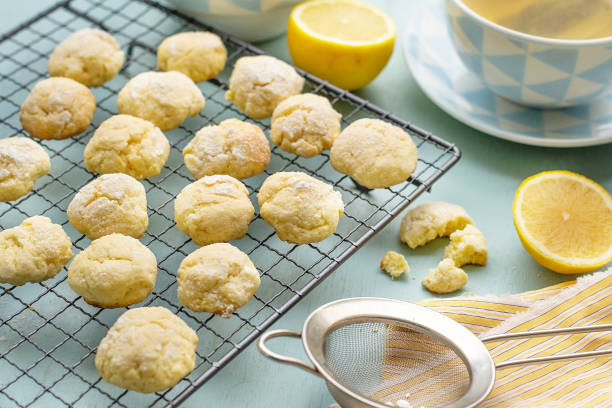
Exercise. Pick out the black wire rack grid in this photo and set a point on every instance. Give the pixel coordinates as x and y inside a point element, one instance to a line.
<point>48,334</point>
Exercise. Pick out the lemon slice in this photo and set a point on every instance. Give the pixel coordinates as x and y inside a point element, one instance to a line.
<point>345,42</point>
<point>564,220</point>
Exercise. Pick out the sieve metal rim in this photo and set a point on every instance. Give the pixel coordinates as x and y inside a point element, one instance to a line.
<point>334,315</point>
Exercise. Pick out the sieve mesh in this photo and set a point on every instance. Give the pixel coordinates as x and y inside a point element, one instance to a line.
<point>354,355</point>
<point>395,365</point>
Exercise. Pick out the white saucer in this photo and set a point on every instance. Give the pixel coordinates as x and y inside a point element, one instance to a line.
<point>437,69</point>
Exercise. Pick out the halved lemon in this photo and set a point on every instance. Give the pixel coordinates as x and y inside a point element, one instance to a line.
<point>564,220</point>
<point>345,42</point>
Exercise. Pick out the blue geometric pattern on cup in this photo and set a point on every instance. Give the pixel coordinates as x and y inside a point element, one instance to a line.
<point>529,72</point>
<point>437,68</point>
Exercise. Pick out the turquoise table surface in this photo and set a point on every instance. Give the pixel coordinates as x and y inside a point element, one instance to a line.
<point>484,182</point>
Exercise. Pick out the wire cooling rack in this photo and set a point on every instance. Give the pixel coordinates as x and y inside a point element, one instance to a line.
<point>49,335</point>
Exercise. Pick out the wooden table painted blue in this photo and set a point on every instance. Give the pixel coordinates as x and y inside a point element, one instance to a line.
<point>483,182</point>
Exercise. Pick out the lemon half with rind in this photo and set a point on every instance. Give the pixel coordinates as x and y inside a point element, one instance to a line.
<point>564,220</point>
<point>345,42</point>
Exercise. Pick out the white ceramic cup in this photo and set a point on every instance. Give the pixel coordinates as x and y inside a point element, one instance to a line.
<point>249,20</point>
<point>533,71</point>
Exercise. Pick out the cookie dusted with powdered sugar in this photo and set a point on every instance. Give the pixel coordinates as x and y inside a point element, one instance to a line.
<point>217,278</point>
<point>114,271</point>
<point>214,209</point>
<point>258,84</point>
<point>34,251</point>
<point>429,221</point>
<point>148,349</point>
<point>127,144</point>
<point>198,54</point>
<point>301,208</point>
<point>164,98</point>
<point>236,148</point>
<point>112,203</point>
<point>305,124</point>
<point>22,162</point>
<point>57,108</point>
<point>89,56</point>
<point>374,153</point>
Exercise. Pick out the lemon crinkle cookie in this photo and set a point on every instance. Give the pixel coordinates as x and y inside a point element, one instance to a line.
<point>89,56</point>
<point>467,246</point>
<point>33,251</point>
<point>112,203</point>
<point>374,153</point>
<point>394,264</point>
<point>164,98</point>
<point>22,162</point>
<point>214,209</point>
<point>300,208</point>
<point>258,84</point>
<point>57,108</point>
<point>198,54</point>
<point>217,278</point>
<point>305,124</point>
<point>236,148</point>
<point>148,349</point>
<point>127,144</point>
<point>428,221</point>
<point>445,278</point>
<point>114,271</point>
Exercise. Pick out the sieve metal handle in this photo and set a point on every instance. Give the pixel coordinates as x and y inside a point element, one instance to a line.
<point>547,333</point>
<point>261,345</point>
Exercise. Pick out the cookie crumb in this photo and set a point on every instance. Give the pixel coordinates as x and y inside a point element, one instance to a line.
<point>467,246</point>
<point>404,403</point>
<point>394,264</point>
<point>445,278</point>
<point>428,221</point>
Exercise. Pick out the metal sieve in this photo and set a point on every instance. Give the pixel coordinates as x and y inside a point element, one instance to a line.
<point>347,341</point>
